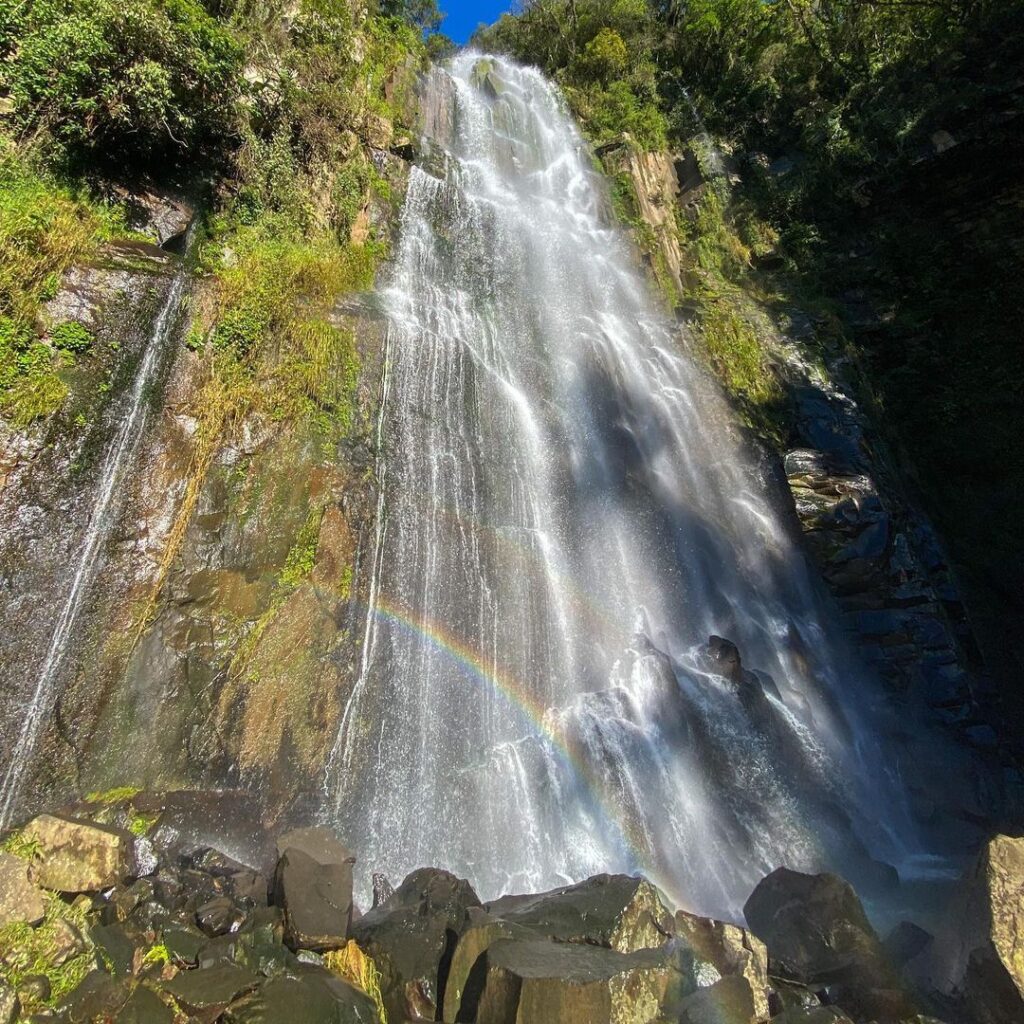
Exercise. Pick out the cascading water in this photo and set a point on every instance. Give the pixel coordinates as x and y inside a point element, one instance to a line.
<point>568,516</point>
<point>117,461</point>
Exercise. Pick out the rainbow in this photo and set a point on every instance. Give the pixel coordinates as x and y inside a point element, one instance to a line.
<point>536,718</point>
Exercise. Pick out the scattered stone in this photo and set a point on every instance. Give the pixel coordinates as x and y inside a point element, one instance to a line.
<point>219,917</point>
<point>315,997</point>
<point>412,937</point>
<point>65,942</point>
<point>99,997</point>
<point>812,1015</point>
<point>20,900</point>
<point>79,856</point>
<point>210,989</point>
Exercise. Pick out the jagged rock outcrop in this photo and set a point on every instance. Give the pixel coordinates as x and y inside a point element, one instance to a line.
<point>817,933</point>
<point>194,929</point>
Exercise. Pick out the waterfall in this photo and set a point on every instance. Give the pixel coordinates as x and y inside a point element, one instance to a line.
<point>568,514</point>
<point>117,461</point>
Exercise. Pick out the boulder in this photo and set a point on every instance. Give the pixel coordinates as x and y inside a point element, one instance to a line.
<point>817,933</point>
<point>979,958</point>
<point>616,911</point>
<point>464,984</point>
<point>722,657</point>
<point>316,898</point>
<point>411,939</point>
<point>312,997</point>
<point>20,900</point>
<point>542,982</point>
<point>905,942</point>
<point>731,951</point>
<point>79,856</point>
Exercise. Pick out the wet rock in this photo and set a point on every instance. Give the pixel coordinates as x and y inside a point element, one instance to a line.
<point>817,932</point>
<point>790,995</point>
<point>731,950</point>
<point>184,944</point>
<point>99,997</point>
<point>79,856</point>
<point>565,983</point>
<point>219,917</point>
<point>411,938</point>
<point>617,911</point>
<point>228,820</point>
<point>20,900</point>
<point>314,997</point>
<point>115,946</point>
<point>729,1001</point>
<point>723,658</point>
<point>316,898</point>
<point>144,1006</point>
<point>383,890</point>
<point>212,989</point>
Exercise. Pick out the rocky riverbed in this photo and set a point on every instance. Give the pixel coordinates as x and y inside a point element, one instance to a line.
<point>182,907</point>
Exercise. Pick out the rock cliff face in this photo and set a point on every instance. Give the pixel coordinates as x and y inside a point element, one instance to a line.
<point>219,638</point>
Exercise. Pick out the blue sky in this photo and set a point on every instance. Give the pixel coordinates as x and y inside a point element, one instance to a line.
<point>465,15</point>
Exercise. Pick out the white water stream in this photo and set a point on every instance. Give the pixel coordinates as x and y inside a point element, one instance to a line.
<point>116,465</point>
<point>568,514</point>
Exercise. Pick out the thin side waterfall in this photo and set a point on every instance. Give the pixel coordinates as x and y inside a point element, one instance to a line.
<point>568,515</point>
<point>116,463</point>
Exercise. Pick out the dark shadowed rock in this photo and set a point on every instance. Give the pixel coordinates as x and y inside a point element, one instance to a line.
<point>78,856</point>
<point>817,932</point>
<point>905,942</point>
<point>571,983</point>
<point>722,657</point>
<point>813,1015</point>
<point>412,937</point>
<point>312,997</point>
<point>99,997</point>
<point>316,898</point>
<point>319,843</point>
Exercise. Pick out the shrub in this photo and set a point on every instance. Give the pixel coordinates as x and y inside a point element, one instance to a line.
<point>71,336</point>
<point>133,79</point>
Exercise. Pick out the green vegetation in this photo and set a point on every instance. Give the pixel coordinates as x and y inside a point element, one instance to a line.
<point>18,844</point>
<point>27,951</point>
<point>600,52</point>
<point>299,563</point>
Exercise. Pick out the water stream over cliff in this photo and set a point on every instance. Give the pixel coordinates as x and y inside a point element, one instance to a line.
<point>111,483</point>
<point>568,514</point>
